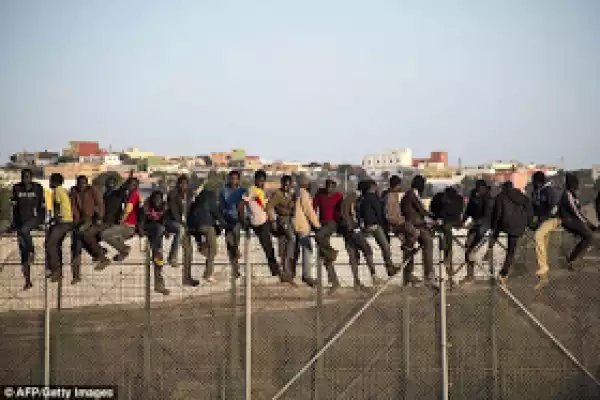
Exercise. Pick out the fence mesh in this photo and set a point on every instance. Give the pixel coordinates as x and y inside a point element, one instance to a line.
<point>112,328</point>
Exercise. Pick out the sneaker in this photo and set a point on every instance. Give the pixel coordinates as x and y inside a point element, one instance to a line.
<point>467,280</point>
<point>542,271</point>
<point>542,282</point>
<point>210,279</point>
<point>75,280</point>
<point>55,276</point>
<point>191,282</point>
<point>162,290</point>
<point>377,281</point>
<point>121,256</point>
<point>28,285</point>
<point>102,264</point>
<point>359,287</point>
<point>333,289</point>
<point>310,282</point>
<point>412,280</point>
<point>501,280</point>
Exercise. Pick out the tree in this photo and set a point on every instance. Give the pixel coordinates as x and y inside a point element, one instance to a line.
<point>66,159</point>
<point>100,180</point>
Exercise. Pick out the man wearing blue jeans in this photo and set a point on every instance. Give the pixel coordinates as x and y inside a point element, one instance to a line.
<point>231,207</point>
<point>28,214</point>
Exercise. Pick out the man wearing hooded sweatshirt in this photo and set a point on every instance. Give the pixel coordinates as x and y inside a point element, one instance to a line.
<point>479,211</point>
<point>280,211</point>
<point>371,216</point>
<point>512,213</point>
<point>415,213</point>
<point>545,210</point>
<point>573,220</point>
<point>355,241</point>
<point>447,207</point>
<point>28,213</point>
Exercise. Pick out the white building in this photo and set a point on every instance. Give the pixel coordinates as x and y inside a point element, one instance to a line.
<point>106,159</point>
<point>393,162</point>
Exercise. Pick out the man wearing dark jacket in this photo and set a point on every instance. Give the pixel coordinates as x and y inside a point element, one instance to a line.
<point>204,219</point>
<point>371,216</point>
<point>512,213</point>
<point>447,207</point>
<point>545,210</point>
<point>355,241</point>
<point>179,200</point>
<point>28,213</point>
<point>88,212</point>
<point>414,212</point>
<point>280,211</point>
<point>573,220</point>
<point>479,210</point>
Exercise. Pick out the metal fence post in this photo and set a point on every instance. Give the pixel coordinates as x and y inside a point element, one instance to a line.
<point>406,322</point>
<point>248,295</point>
<point>495,364</point>
<point>443,322</point>
<point>318,370</point>
<point>234,355</point>
<point>46,334</point>
<point>146,339</point>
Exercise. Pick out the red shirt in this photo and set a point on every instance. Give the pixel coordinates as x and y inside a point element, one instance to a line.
<point>329,206</point>
<point>134,199</point>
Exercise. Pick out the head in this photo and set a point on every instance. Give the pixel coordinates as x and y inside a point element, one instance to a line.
<point>27,176</point>
<point>110,183</point>
<point>183,183</point>
<point>450,191</point>
<point>304,182</point>
<point>418,184</point>
<point>260,177</point>
<point>133,184</point>
<point>81,183</point>
<point>286,183</point>
<point>156,198</point>
<point>538,179</point>
<point>233,179</point>
<point>481,188</point>
<point>365,186</point>
<point>330,186</point>
<point>571,182</point>
<point>508,185</point>
<point>395,182</point>
<point>56,180</point>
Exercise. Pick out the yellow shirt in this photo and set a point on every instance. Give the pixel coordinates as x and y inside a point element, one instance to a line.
<point>60,197</point>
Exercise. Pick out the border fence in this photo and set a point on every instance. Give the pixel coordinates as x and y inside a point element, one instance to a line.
<point>255,338</point>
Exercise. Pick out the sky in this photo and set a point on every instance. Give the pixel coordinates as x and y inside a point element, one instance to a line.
<point>305,80</point>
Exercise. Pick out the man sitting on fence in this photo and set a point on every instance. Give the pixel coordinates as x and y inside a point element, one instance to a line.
<point>61,223</point>
<point>512,214</point>
<point>179,200</point>
<point>355,241</point>
<point>371,217</point>
<point>231,207</point>
<point>447,207</point>
<point>305,220</point>
<point>545,209</point>
<point>479,212</point>
<point>88,212</point>
<point>28,213</point>
<point>154,211</point>
<point>573,220</point>
<point>415,213</point>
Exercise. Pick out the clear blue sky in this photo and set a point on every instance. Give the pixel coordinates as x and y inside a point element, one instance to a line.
<point>305,80</point>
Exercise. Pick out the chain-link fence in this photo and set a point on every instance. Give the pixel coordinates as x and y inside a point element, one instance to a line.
<point>266,340</point>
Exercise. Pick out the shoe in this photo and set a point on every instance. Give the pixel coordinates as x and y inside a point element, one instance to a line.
<point>467,280</point>
<point>191,282</point>
<point>542,282</point>
<point>28,285</point>
<point>501,280</point>
<point>55,276</point>
<point>121,256</point>
<point>377,281</point>
<point>412,280</point>
<point>158,260</point>
<point>359,287</point>
<point>162,290</point>
<point>310,282</point>
<point>333,289</point>
<point>173,262</point>
<point>75,280</point>
<point>542,271</point>
<point>102,264</point>
<point>210,279</point>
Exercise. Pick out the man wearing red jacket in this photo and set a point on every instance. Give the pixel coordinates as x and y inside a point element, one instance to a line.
<point>327,202</point>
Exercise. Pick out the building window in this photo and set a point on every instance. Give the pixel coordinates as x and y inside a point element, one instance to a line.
<point>377,161</point>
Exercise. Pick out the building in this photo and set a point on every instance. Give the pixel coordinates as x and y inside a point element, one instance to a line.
<point>595,172</point>
<point>135,154</point>
<point>78,149</point>
<point>72,170</point>
<point>220,159</point>
<point>391,162</point>
<point>45,158</point>
<point>437,159</point>
<point>107,159</point>
<point>238,154</point>
<point>252,162</point>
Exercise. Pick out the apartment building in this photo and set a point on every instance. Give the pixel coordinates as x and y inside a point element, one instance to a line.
<point>392,162</point>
